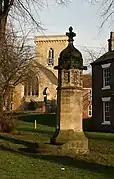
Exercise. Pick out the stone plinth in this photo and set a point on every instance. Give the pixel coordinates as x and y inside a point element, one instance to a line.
<point>72,142</point>
<point>69,134</point>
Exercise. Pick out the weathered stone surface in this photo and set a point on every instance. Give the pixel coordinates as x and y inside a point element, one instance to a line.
<point>70,102</point>
<point>43,44</point>
<point>72,142</point>
<point>71,109</point>
<point>70,57</point>
<point>79,146</point>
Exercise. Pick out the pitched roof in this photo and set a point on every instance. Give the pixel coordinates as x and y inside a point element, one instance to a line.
<point>51,76</point>
<point>87,80</point>
<point>105,57</point>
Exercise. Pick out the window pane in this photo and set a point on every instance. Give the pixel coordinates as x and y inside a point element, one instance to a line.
<point>90,110</point>
<point>90,95</point>
<point>50,59</point>
<point>33,93</point>
<point>107,118</point>
<point>35,86</point>
<point>25,90</point>
<point>107,110</point>
<point>90,113</point>
<point>31,87</point>
<point>106,76</point>
<point>49,54</point>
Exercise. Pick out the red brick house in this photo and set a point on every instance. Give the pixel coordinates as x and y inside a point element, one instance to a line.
<point>87,95</point>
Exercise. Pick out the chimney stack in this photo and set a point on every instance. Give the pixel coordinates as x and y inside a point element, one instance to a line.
<point>111,42</point>
<point>109,45</point>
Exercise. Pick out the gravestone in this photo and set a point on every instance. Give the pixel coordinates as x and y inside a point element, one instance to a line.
<point>69,133</point>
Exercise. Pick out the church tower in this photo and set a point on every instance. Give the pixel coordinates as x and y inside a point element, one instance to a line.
<point>48,49</point>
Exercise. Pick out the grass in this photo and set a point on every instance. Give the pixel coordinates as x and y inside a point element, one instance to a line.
<point>16,164</point>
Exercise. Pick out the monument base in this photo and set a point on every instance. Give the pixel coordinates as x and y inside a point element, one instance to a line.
<point>71,142</point>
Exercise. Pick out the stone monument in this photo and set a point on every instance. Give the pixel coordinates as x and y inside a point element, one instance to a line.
<point>69,133</point>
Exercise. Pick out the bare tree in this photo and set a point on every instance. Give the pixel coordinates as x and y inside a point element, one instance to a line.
<point>21,9</point>
<point>106,9</point>
<point>93,54</point>
<point>15,59</point>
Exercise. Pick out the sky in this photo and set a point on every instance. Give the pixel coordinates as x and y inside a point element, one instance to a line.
<point>85,19</point>
<point>79,14</point>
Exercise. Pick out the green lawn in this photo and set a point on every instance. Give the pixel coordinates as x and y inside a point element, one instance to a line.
<point>16,164</point>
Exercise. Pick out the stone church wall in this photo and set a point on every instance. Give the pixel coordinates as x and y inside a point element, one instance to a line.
<point>43,45</point>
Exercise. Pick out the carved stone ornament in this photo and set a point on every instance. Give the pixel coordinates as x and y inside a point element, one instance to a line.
<point>75,79</point>
<point>70,35</point>
<point>67,76</point>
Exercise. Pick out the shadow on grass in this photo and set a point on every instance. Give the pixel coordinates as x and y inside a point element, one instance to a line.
<point>107,171</point>
<point>15,141</point>
<point>99,136</point>
<point>35,131</point>
<point>44,119</point>
<point>100,142</point>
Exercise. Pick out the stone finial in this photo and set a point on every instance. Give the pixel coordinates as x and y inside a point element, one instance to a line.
<point>70,34</point>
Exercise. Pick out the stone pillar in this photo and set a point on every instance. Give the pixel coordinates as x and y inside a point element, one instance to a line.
<point>69,133</point>
<point>71,102</point>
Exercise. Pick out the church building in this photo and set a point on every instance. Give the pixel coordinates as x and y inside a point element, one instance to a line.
<point>38,92</point>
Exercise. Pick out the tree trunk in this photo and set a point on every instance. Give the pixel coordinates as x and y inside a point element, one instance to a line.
<point>1,105</point>
<point>3,21</point>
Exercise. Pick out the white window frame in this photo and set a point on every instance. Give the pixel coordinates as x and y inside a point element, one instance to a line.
<point>90,94</point>
<point>105,99</point>
<point>105,66</point>
<point>90,105</point>
<point>90,101</point>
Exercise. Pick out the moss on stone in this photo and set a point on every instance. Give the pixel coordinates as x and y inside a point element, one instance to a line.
<point>71,142</point>
<point>67,135</point>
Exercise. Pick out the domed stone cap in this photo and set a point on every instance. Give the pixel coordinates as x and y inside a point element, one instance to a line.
<point>70,57</point>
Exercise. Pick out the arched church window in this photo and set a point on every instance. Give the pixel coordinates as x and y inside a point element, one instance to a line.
<point>31,87</point>
<point>50,59</point>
